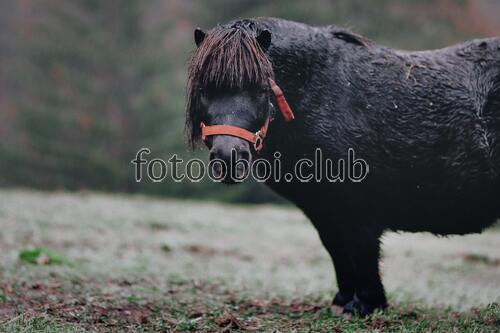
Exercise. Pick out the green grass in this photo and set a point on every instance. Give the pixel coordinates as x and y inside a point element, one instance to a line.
<point>113,264</point>
<point>41,256</point>
<point>214,309</point>
<point>38,324</point>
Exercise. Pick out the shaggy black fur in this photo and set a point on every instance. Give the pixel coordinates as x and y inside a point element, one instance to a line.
<point>427,123</point>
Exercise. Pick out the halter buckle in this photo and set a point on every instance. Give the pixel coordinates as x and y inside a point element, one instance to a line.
<point>257,145</point>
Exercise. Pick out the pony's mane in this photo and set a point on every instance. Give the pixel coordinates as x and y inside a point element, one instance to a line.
<point>230,57</point>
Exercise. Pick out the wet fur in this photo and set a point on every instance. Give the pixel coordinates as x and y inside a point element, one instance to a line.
<point>228,58</point>
<point>427,123</point>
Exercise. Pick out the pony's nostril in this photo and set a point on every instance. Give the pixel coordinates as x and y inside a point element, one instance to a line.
<point>241,170</point>
<point>217,170</point>
<point>213,154</point>
<point>245,154</point>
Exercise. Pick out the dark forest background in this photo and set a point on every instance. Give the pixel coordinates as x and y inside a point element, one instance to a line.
<point>85,83</point>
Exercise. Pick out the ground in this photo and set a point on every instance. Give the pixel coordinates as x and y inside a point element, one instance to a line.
<point>95,262</point>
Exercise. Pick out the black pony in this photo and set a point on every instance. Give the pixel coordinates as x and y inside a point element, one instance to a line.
<point>427,124</point>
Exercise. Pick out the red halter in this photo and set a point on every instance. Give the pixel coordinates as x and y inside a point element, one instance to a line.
<point>256,138</point>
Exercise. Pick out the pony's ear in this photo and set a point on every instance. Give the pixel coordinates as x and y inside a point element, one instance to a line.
<point>264,39</point>
<point>199,36</point>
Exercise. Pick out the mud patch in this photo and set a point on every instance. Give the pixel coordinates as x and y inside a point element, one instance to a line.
<point>481,259</point>
<point>205,251</point>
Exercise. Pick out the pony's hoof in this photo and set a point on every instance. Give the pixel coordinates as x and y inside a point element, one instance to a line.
<point>363,308</point>
<point>336,310</point>
<point>342,298</point>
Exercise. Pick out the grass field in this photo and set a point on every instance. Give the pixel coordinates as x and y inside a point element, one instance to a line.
<point>94,262</point>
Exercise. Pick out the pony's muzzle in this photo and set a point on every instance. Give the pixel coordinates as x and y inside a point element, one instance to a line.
<point>230,159</point>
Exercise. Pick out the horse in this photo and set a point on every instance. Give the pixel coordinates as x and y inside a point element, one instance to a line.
<point>427,123</point>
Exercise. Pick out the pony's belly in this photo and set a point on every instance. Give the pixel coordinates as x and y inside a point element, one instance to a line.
<point>440,209</point>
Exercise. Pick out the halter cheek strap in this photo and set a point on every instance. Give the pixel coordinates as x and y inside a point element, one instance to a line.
<point>256,138</point>
<point>285,110</point>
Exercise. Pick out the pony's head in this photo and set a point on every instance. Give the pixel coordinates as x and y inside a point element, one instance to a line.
<point>229,79</point>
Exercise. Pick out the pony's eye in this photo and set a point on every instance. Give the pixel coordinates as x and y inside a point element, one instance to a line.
<point>203,95</point>
<point>263,92</point>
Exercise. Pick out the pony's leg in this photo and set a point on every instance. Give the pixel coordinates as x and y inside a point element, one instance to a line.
<point>369,292</point>
<point>334,242</point>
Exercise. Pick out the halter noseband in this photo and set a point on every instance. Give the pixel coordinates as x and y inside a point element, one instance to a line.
<point>256,138</point>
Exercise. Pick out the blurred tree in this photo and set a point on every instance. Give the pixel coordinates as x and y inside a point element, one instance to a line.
<point>84,84</point>
<point>84,87</point>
